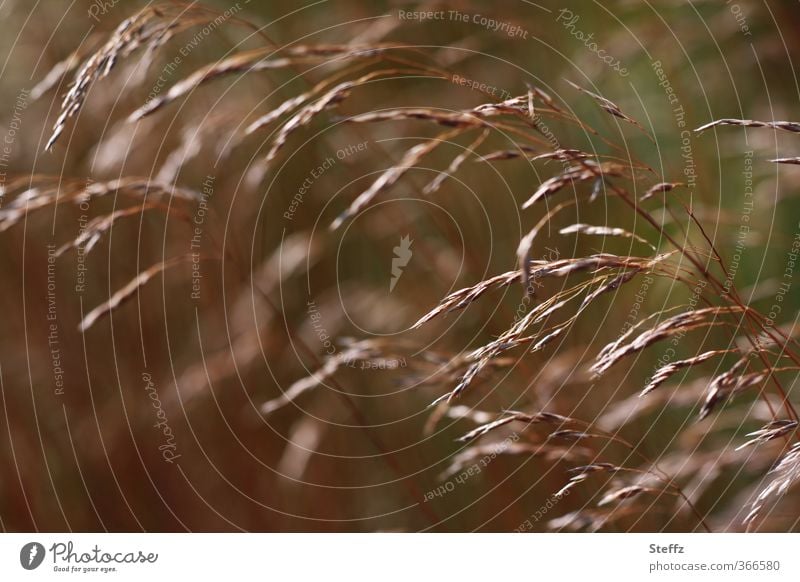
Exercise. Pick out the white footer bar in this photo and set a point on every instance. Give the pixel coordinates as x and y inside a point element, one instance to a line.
<point>400,557</point>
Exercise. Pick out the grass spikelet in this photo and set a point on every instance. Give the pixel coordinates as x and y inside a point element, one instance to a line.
<point>96,227</point>
<point>559,268</point>
<point>609,284</point>
<point>64,67</point>
<point>587,170</point>
<point>129,290</point>
<point>773,430</point>
<point>410,159</point>
<point>665,372</point>
<point>485,428</point>
<point>539,417</point>
<point>792,161</point>
<point>437,182</point>
<point>563,155</point>
<point>526,244</point>
<point>680,323</point>
<point>790,126</point>
<point>608,106</point>
<point>588,229</point>
<point>44,191</point>
<point>502,155</point>
<point>729,383</point>
<point>358,351</point>
<point>573,435</point>
<point>583,472</point>
<point>784,476</point>
<point>249,62</point>
<point>151,27</point>
<point>329,99</point>
<point>445,118</point>
<point>624,493</point>
<point>659,188</point>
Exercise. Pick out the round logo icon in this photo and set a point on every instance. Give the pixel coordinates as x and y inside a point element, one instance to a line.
<point>31,555</point>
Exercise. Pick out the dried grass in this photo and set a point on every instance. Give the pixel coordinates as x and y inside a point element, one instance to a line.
<point>551,437</point>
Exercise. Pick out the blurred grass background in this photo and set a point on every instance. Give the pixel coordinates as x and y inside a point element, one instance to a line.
<point>88,459</point>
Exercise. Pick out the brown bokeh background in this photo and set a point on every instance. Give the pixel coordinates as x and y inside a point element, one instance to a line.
<point>361,453</point>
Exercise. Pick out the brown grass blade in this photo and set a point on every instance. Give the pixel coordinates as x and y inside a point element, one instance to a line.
<point>43,191</point>
<point>525,247</point>
<point>588,229</point>
<point>584,472</point>
<point>129,290</point>
<point>559,268</point>
<point>253,61</point>
<point>502,155</point>
<point>285,107</point>
<point>151,27</point>
<point>539,417</point>
<point>437,182</point>
<point>681,323</point>
<point>785,475</point>
<point>393,174</point>
<point>626,493</point>
<point>355,352</point>
<point>609,285</point>
<point>659,189</point>
<point>96,227</point>
<point>329,99</point>
<point>445,118</point>
<point>727,384</point>
<point>64,67</point>
<point>476,453</point>
<point>793,161</point>
<point>608,106</point>
<point>573,435</point>
<point>665,372</point>
<point>790,126</point>
<point>563,155</point>
<point>773,430</point>
<point>587,170</point>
